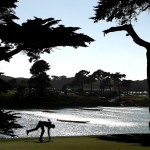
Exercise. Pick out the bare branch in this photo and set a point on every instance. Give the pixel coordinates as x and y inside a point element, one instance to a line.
<point>131,32</point>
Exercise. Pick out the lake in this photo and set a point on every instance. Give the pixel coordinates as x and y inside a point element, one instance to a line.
<point>100,121</point>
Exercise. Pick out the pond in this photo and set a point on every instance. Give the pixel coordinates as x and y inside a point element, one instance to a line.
<point>100,121</point>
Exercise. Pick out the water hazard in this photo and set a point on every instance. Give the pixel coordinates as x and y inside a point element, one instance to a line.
<point>87,121</point>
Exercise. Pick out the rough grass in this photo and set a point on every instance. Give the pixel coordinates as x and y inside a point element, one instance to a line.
<point>114,142</point>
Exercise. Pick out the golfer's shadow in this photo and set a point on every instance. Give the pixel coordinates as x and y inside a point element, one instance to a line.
<point>38,141</point>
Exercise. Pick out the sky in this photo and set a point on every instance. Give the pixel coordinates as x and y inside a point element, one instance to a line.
<point>112,53</point>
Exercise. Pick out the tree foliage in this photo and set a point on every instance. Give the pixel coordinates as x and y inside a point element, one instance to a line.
<point>7,119</point>
<point>7,13</point>
<point>8,123</point>
<point>126,84</point>
<point>80,78</point>
<point>39,67</point>
<point>39,79</point>
<point>120,10</point>
<point>36,36</point>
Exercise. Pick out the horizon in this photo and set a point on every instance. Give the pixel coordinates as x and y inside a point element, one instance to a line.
<point>53,75</point>
<point>115,52</point>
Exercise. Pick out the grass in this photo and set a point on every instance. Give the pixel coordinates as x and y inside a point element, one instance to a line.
<point>111,142</point>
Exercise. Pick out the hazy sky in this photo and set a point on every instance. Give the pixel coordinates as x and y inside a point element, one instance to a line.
<point>115,52</point>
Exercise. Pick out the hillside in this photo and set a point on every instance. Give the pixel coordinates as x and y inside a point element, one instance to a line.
<point>15,81</point>
<point>6,78</point>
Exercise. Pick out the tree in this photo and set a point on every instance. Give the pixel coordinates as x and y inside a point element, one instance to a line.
<point>90,79</point>
<point>7,119</point>
<point>36,36</point>
<point>7,13</point>
<point>124,12</point>
<point>39,79</point>
<point>117,78</point>
<point>8,123</point>
<point>106,81</point>
<point>100,75</point>
<point>126,84</point>
<point>80,78</point>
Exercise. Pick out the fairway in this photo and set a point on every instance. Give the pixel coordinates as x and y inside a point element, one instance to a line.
<point>71,143</point>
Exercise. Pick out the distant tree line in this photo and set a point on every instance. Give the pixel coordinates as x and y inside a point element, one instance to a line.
<point>60,82</point>
<point>105,81</point>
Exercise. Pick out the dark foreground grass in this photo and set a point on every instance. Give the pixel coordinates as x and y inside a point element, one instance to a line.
<point>109,142</point>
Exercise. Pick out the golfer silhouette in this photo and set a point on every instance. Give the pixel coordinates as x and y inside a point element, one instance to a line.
<point>42,124</point>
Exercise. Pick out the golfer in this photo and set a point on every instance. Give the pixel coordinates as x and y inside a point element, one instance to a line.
<point>42,124</point>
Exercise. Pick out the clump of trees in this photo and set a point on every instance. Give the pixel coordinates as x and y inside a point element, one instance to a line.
<point>105,79</point>
<point>80,79</point>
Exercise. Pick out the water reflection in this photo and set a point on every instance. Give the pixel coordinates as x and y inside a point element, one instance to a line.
<point>111,120</point>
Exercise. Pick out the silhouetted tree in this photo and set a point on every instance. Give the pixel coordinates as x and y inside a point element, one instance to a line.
<point>80,78</point>
<point>126,84</point>
<point>7,13</point>
<point>90,80</point>
<point>36,36</point>
<point>106,82</point>
<point>124,12</point>
<point>40,80</point>
<point>99,77</point>
<point>8,123</point>
<point>117,78</point>
<point>7,119</point>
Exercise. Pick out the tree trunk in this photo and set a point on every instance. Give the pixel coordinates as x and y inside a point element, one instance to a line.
<point>148,76</point>
<point>100,86</point>
<point>148,73</point>
<point>119,92</point>
<point>82,86</point>
<point>127,91</point>
<point>103,90</point>
<point>140,42</point>
<point>91,87</point>
<point>110,89</point>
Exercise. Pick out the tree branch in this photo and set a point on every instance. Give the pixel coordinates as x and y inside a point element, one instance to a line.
<point>131,32</point>
<point>144,9</point>
<point>8,55</point>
